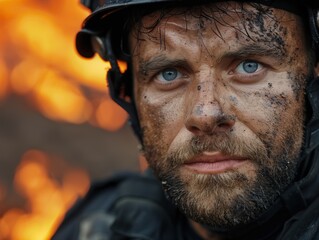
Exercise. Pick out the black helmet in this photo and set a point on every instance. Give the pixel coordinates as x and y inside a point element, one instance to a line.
<point>102,33</point>
<point>107,14</point>
<point>110,14</point>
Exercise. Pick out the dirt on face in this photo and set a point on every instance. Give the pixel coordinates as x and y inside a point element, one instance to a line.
<point>224,80</point>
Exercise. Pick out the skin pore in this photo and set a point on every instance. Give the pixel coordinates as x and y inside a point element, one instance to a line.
<point>220,96</point>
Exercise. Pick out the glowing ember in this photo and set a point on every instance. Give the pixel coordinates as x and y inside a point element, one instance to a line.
<point>47,199</point>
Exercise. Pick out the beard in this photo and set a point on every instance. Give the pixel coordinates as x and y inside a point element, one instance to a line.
<point>233,198</point>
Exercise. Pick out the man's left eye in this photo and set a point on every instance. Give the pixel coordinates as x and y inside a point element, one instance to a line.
<point>248,67</point>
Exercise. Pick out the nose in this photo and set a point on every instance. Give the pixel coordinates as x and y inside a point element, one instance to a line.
<point>207,118</point>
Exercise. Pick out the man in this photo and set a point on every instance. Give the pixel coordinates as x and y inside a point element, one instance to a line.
<point>223,96</point>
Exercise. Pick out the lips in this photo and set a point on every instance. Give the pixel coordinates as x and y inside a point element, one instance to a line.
<point>214,163</point>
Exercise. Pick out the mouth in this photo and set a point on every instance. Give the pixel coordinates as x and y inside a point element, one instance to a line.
<point>214,163</point>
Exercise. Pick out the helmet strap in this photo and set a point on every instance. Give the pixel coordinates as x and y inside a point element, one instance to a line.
<point>120,85</point>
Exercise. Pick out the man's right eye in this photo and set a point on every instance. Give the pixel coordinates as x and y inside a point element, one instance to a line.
<point>169,75</point>
<point>249,67</point>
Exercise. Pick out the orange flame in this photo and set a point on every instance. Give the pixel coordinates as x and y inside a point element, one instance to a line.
<point>41,63</point>
<point>47,199</point>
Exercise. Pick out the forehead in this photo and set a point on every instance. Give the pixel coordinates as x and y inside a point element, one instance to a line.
<point>242,23</point>
<point>192,17</point>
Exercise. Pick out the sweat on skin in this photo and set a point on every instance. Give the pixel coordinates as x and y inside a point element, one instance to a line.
<point>220,97</point>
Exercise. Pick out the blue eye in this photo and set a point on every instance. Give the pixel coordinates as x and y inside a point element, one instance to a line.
<point>169,74</point>
<point>248,67</point>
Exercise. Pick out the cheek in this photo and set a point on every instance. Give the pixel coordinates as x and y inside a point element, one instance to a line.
<point>161,118</point>
<point>274,115</point>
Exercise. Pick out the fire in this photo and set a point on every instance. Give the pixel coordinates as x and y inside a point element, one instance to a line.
<point>41,63</point>
<point>47,199</point>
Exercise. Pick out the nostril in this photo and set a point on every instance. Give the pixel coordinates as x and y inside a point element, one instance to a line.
<point>226,122</point>
<point>194,130</point>
<point>225,126</point>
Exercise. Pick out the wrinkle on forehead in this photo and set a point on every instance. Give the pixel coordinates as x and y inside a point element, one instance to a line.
<point>248,22</point>
<point>215,13</point>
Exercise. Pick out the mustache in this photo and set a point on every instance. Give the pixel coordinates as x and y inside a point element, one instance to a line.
<point>228,145</point>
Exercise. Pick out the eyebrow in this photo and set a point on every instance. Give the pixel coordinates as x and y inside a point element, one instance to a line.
<point>256,49</point>
<point>158,62</point>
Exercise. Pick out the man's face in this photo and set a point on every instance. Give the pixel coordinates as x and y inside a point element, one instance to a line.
<point>220,96</point>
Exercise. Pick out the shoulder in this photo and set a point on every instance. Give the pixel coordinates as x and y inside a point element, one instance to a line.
<point>94,210</point>
<point>127,206</point>
<point>304,225</point>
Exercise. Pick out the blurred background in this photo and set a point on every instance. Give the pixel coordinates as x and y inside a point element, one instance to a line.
<point>59,130</point>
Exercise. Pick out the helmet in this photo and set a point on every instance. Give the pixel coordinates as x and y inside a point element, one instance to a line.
<point>102,33</point>
<point>107,12</point>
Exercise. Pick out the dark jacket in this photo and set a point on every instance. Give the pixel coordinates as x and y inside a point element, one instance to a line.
<point>127,206</point>
<point>133,206</point>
